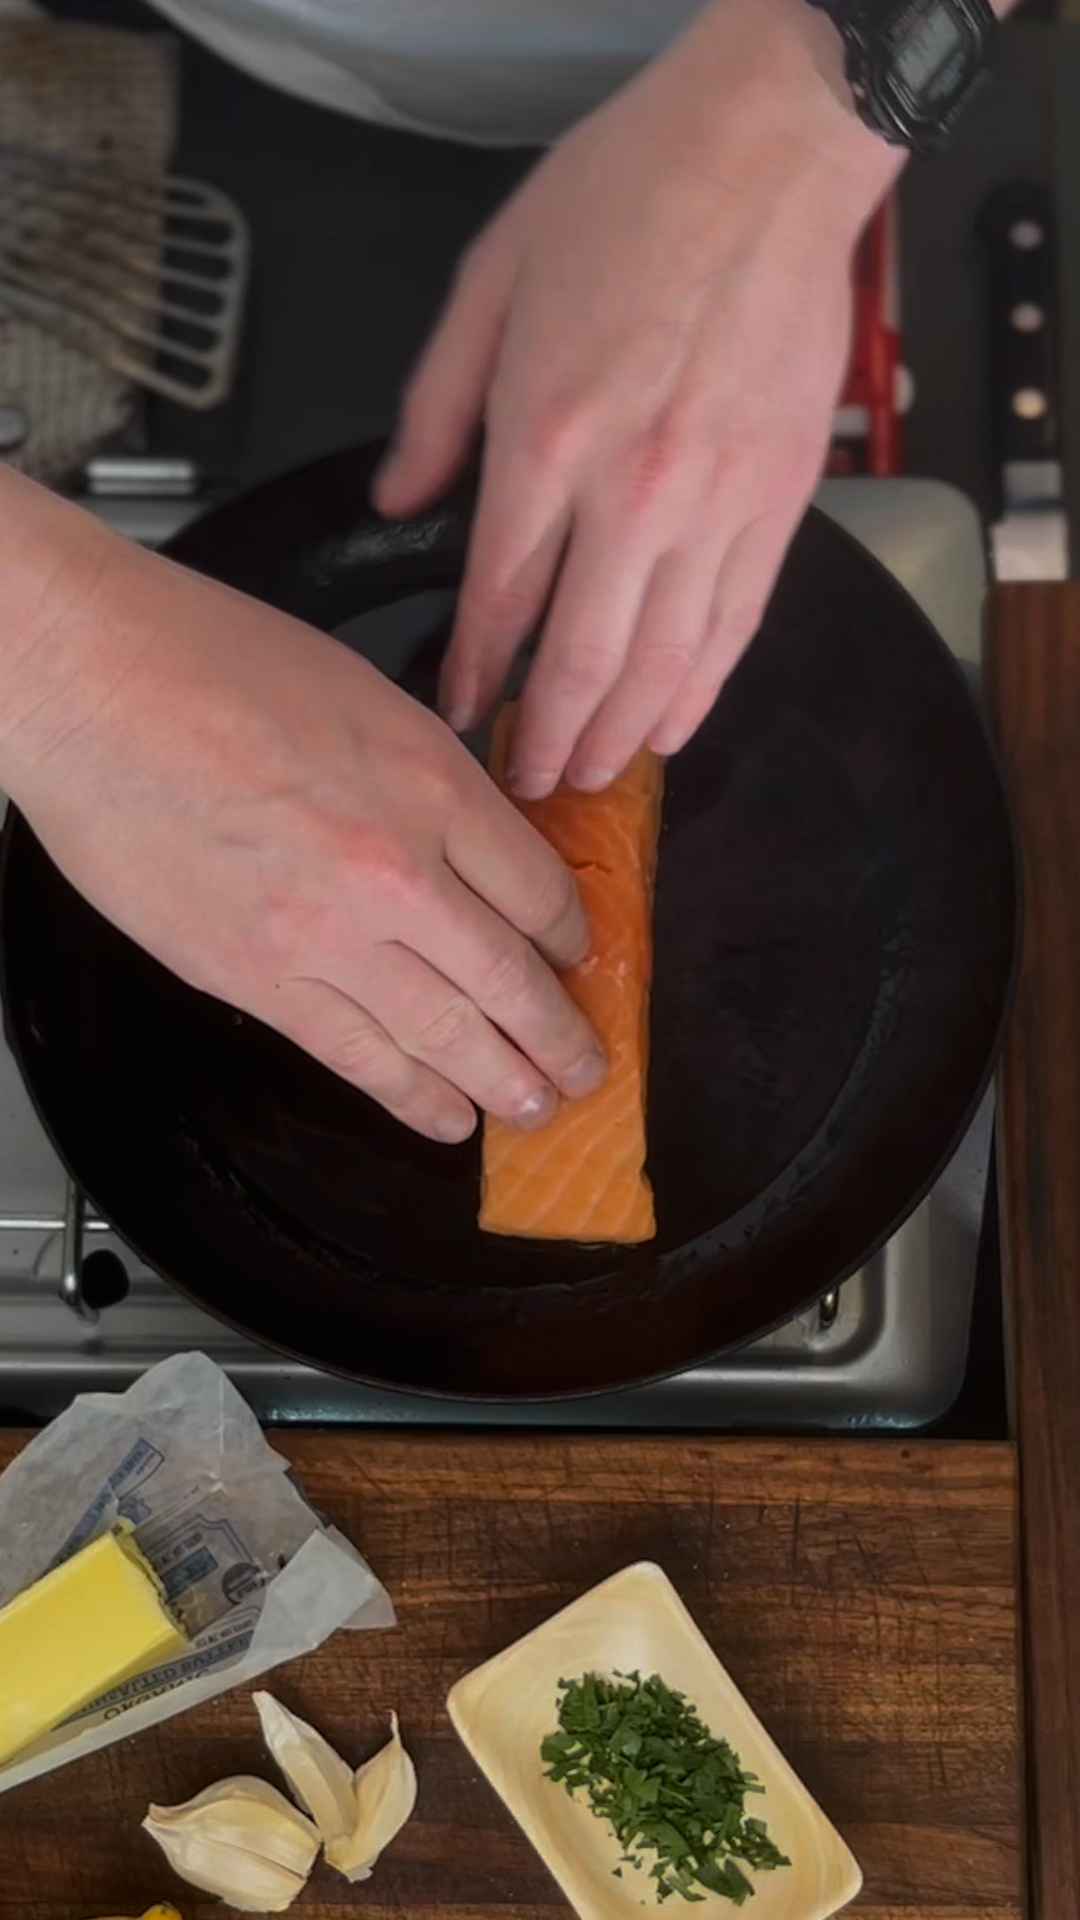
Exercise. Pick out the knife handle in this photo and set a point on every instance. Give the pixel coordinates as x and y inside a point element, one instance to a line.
<point>1017,226</point>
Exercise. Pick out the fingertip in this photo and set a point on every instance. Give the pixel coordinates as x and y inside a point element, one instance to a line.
<point>532,783</point>
<point>413,473</point>
<point>392,493</point>
<point>586,1075</point>
<point>536,1111</point>
<point>565,955</point>
<point>666,741</point>
<point>458,702</point>
<point>544,747</point>
<point>592,779</point>
<point>453,1126</point>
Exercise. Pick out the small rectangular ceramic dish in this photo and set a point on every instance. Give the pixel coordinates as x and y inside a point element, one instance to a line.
<point>635,1622</point>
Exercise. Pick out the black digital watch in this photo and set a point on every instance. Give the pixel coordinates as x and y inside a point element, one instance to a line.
<point>913,65</point>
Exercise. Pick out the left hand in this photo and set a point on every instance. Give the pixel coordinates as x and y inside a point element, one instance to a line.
<point>284,828</point>
<point>654,332</point>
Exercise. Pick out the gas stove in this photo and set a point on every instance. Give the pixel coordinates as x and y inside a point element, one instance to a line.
<point>886,1350</point>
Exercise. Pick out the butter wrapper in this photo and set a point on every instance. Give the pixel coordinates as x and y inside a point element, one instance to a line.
<point>252,1573</point>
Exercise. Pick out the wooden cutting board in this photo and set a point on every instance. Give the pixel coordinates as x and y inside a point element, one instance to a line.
<point>861,1594</point>
<point>1034,679</point>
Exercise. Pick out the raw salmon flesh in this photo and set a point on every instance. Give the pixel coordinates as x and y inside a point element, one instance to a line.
<point>583,1176</point>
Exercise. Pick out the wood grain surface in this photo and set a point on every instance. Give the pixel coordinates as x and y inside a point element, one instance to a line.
<point>861,1594</point>
<point>1034,661</point>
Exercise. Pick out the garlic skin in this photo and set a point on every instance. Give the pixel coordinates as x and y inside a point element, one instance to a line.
<point>240,1839</point>
<point>319,1778</point>
<point>385,1795</point>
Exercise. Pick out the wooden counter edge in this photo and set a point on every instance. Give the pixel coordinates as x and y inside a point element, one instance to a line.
<point>1033,674</point>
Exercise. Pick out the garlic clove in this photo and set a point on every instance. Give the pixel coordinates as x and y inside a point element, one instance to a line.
<point>385,1795</point>
<point>244,1881</point>
<point>240,1839</point>
<point>251,1815</point>
<point>320,1779</point>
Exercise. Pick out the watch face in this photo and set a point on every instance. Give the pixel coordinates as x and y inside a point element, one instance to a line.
<point>925,58</point>
<point>932,55</point>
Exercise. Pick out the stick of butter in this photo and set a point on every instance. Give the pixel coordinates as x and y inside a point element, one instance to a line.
<point>94,1621</point>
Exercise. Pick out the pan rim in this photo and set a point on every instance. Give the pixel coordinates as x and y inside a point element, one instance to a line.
<point>1012,880</point>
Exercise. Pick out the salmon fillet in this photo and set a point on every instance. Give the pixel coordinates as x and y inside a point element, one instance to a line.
<point>583,1176</point>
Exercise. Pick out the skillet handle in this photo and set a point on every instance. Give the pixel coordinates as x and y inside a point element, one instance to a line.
<point>311,543</point>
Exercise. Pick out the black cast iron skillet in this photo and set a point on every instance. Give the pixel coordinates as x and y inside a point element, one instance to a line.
<point>835,931</point>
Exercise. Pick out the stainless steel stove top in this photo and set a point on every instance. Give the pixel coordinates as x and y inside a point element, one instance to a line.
<point>886,1350</point>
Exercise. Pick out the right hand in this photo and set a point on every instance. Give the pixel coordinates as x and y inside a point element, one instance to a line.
<point>653,333</point>
<point>287,830</point>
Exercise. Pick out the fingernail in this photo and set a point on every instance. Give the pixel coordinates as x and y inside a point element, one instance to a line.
<point>528,785</point>
<point>664,746</point>
<point>461,713</point>
<point>593,779</point>
<point>537,1108</point>
<point>385,476</point>
<point>585,1075</point>
<point>453,1128</point>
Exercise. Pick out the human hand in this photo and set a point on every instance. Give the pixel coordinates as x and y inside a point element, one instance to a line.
<point>288,831</point>
<point>654,331</point>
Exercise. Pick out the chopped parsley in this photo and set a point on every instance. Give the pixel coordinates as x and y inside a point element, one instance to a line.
<point>651,1768</point>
